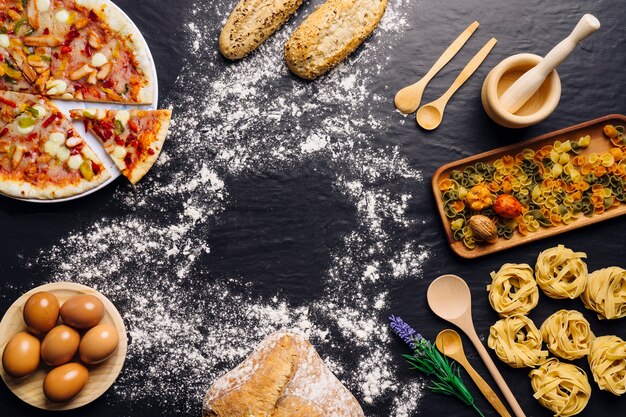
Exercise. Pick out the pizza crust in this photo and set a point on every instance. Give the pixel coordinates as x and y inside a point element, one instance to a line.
<point>25,190</point>
<point>137,44</point>
<point>108,12</point>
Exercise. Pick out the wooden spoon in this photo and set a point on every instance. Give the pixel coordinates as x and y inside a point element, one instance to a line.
<point>408,99</point>
<point>450,298</point>
<point>431,114</point>
<point>450,344</point>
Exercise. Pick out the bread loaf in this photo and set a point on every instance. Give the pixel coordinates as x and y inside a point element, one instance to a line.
<point>330,34</point>
<point>251,23</point>
<point>283,377</point>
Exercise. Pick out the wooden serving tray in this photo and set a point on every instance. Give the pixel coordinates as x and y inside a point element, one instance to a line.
<point>599,144</point>
<point>101,377</point>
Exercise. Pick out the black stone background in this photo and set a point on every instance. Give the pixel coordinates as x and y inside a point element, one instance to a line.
<point>593,85</point>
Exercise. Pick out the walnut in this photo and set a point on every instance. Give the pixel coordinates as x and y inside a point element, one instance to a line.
<point>484,228</point>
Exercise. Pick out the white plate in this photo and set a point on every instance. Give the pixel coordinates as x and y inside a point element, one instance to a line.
<point>65,106</point>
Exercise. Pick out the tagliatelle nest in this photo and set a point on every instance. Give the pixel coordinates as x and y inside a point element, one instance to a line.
<point>517,342</point>
<point>513,290</point>
<point>561,272</point>
<point>606,293</point>
<point>607,360</point>
<point>567,334</point>
<point>561,387</point>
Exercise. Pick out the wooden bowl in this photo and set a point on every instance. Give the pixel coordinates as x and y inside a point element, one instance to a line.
<point>539,106</point>
<point>30,388</point>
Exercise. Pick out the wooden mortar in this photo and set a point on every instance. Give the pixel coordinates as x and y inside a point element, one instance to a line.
<point>536,109</point>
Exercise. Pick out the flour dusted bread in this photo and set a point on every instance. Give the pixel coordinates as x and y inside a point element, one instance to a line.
<point>283,377</point>
<point>330,34</point>
<point>251,23</point>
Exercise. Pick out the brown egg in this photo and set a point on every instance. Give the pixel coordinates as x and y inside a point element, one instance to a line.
<point>82,311</point>
<point>98,344</point>
<point>41,312</point>
<point>60,345</point>
<point>65,382</point>
<point>21,355</point>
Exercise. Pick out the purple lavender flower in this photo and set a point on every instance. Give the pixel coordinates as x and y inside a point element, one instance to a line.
<point>406,332</point>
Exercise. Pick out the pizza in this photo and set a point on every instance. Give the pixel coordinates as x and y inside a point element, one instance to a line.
<point>72,50</point>
<point>42,156</point>
<point>79,50</point>
<point>133,138</point>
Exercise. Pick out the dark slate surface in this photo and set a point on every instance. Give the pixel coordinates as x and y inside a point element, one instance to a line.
<point>593,83</point>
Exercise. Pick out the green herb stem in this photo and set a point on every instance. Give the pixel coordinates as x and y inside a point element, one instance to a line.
<point>446,376</point>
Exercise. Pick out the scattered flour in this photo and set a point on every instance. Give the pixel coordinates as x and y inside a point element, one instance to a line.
<point>186,326</point>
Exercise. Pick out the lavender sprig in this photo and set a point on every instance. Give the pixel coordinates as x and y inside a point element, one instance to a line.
<point>405,331</point>
<point>428,360</point>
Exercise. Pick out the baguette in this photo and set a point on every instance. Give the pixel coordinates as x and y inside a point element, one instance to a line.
<point>330,34</point>
<point>251,23</point>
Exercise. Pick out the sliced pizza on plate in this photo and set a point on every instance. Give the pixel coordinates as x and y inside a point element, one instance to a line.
<point>42,156</point>
<point>81,50</point>
<point>133,138</point>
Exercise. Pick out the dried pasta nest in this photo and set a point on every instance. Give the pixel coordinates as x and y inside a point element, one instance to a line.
<point>517,342</point>
<point>561,387</point>
<point>567,334</point>
<point>561,272</point>
<point>513,290</point>
<point>606,293</point>
<point>607,360</point>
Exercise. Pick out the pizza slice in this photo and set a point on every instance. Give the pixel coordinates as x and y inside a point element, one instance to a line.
<point>31,28</point>
<point>89,53</point>
<point>133,138</point>
<point>76,50</point>
<point>41,154</point>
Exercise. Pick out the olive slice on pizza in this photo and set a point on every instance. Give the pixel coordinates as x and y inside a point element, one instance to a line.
<point>133,138</point>
<point>42,156</point>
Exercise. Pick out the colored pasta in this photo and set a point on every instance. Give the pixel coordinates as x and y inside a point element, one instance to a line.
<point>517,342</point>
<point>513,290</point>
<point>561,387</point>
<point>607,360</point>
<point>555,185</point>
<point>606,293</point>
<point>561,272</point>
<point>567,334</point>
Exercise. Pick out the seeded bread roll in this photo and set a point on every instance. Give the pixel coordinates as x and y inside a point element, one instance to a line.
<point>330,34</point>
<point>251,23</point>
<point>283,377</point>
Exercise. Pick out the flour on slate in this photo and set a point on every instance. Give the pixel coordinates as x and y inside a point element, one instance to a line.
<point>188,327</point>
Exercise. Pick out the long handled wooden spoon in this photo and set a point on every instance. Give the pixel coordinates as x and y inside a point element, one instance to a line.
<point>450,344</point>
<point>450,298</point>
<point>408,99</point>
<point>429,116</point>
